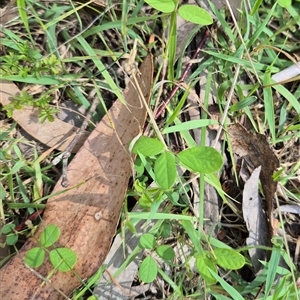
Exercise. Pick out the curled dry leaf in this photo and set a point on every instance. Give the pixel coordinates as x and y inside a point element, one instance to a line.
<point>256,149</point>
<point>88,214</point>
<point>56,134</point>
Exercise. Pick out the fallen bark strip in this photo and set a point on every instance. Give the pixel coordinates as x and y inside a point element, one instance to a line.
<point>88,214</point>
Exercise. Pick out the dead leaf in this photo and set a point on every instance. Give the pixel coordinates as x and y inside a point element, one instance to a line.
<point>88,214</point>
<point>255,148</point>
<point>56,134</point>
<point>255,220</point>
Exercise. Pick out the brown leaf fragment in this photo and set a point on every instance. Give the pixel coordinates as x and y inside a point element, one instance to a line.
<point>255,149</point>
<point>88,214</point>
<point>56,134</point>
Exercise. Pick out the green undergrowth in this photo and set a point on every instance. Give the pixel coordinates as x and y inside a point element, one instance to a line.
<point>84,60</point>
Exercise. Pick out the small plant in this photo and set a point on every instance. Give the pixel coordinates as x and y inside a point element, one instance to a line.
<point>23,62</point>
<point>62,259</point>
<point>191,13</point>
<point>11,235</point>
<point>205,260</point>
<point>199,159</point>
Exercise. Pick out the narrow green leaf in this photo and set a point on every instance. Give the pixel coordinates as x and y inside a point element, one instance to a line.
<point>242,104</point>
<point>63,259</point>
<point>256,6</point>
<point>195,14</point>
<point>269,106</point>
<point>161,216</point>
<point>49,235</point>
<point>229,259</point>
<point>147,241</point>
<point>262,26</point>
<point>35,257</point>
<point>288,96</point>
<point>193,235</point>
<point>45,80</point>
<point>189,125</point>
<point>227,287</point>
<point>284,3</point>
<point>165,6</point>
<point>101,67</point>
<point>18,165</point>
<point>201,159</point>
<point>22,8</point>
<point>147,146</point>
<point>148,270</point>
<point>273,264</point>
<point>165,170</point>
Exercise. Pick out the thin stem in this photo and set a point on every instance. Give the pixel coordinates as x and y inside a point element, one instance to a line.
<point>184,74</point>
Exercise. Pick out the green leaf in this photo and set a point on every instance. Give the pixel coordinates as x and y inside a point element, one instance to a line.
<point>165,170</point>
<point>145,201</point>
<point>201,159</point>
<point>189,125</point>
<point>195,14</point>
<point>148,270</point>
<point>63,259</point>
<point>101,67</point>
<point>193,234</point>
<point>165,230</point>
<point>165,6</point>
<point>166,252</point>
<point>7,228</point>
<point>234,294</point>
<point>229,259</point>
<point>2,189</point>
<point>35,257</point>
<point>11,239</point>
<point>16,168</point>
<point>49,235</point>
<point>202,264</point>
<point>147,146</point>
<point>138,166</point>
<point>147,241</point>
<point>243,103</point>
<point>256,6</point>
<point>273,263</point>
<point>284,3</point>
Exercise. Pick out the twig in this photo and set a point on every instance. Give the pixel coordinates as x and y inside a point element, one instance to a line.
<point>184,75</point>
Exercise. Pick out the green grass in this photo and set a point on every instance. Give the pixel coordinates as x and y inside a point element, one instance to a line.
<point>83,52</point>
